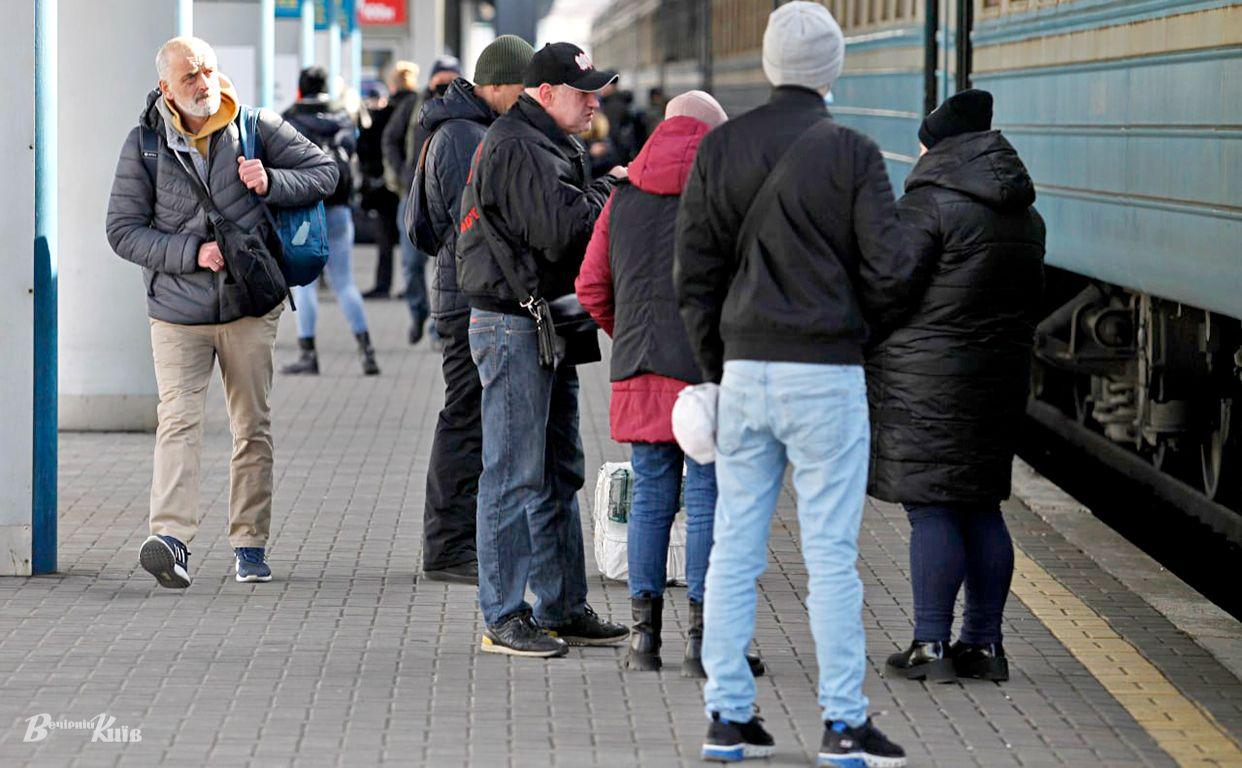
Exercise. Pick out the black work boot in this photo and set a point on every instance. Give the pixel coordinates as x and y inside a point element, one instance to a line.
<point>645,643</point>
<point>307,362</point>
<point>922,661</point>
<point>692,664</point>
<point>367,352</point>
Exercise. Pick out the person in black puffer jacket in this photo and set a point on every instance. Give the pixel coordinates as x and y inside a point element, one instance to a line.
<point>456,125</point>
<point>948,389</point>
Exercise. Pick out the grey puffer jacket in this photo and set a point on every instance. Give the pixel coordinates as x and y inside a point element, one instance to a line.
<point>161,228</point>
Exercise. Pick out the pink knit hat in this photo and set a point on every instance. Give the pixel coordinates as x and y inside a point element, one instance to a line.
<point>697,104</point>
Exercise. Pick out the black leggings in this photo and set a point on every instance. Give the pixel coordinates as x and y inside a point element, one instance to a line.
<point>949,545</point>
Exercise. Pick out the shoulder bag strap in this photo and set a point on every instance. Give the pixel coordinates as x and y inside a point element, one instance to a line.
<point>252,147</point>
<point>762,203</point>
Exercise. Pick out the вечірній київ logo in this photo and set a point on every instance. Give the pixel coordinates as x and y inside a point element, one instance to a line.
<point>103,729</point>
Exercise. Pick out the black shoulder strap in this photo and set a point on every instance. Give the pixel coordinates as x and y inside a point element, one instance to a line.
<point>200,191</point>
<point>149,147</point>
<point>794,156</point>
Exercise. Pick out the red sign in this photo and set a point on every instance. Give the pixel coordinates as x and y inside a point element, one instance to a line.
<point>373,13</point>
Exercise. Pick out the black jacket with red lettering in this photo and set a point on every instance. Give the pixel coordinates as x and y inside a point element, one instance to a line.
<point>527,201</point>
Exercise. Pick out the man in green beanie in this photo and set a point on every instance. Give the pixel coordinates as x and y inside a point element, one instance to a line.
<point>456,123</point>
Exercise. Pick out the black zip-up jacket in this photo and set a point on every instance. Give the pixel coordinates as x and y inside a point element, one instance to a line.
<point>824,271</point>
<point>329,127</point>
<point>398,169</point>
<point>948,389</point>
<point>528,188</point>
<point>456,123</point>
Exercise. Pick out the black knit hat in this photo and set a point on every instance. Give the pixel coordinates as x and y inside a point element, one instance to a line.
<point>968,111</point>
<point>503,61</point>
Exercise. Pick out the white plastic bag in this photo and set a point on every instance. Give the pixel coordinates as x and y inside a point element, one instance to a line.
<point>613,492</point>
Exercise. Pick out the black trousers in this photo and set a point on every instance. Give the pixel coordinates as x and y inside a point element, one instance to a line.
<point>456,455</point>
<point>386,235</point>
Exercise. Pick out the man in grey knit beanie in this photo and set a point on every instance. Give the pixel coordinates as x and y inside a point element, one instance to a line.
<point>456,124</point>
<point>788,261</point>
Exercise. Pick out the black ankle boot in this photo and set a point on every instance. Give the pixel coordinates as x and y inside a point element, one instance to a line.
<point>692,664</point>
<point>307,362</point>
<point>980,662</point>
<point>644,654</point>
<point>367,352</point>
<point>922,661</point>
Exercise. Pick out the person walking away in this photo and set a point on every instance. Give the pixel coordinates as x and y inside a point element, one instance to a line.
<point>402,147</point>
<point>626,283</point>
<point>528,213</point>
<point>787,261</point>
<point>948,389</point>
<point>456,125</point>
<point>376,198</point>
<point>601,151</point>
<point>330,128</point>
<point>155,220</point>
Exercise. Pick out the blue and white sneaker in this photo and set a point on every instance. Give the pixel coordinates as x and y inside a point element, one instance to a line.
<point>861,747</point>
<point>167,560</point>
<point>252,564</point>
<point>730,742</point>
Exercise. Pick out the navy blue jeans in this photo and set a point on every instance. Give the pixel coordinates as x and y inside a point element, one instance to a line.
<point>950,545</point>
<point>529,527</point>
<point>657,486</point>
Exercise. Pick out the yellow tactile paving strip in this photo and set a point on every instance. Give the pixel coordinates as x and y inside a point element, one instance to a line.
<point>1190,735</point>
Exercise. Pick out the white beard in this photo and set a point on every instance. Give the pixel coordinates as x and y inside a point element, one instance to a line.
<point>205,108</point>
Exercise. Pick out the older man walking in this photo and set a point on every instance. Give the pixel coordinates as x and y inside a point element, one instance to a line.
<point>527,215</point>
<point>187,135</point>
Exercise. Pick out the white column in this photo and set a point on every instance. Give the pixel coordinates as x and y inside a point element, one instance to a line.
<point>267,51</point>
<point>17,219</point>
<point>334,45</point>
<point>308,34</point>
<point>355,60</point>
<point>185,18</point>
<point>426,33</point>
<point>107,379</point>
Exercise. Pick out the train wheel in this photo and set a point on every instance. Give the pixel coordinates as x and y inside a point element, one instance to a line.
<point>1175,461</point>
<point>1221,458</point>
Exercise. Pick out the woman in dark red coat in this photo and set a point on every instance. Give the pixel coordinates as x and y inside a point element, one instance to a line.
<point>626,284</point>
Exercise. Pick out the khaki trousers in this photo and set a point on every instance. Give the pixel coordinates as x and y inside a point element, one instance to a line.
<point>184,358</point>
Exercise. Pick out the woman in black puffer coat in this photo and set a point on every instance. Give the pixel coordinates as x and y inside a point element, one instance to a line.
<point>948,389</point>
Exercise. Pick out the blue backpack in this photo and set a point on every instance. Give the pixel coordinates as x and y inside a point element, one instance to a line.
<point>303,230</point>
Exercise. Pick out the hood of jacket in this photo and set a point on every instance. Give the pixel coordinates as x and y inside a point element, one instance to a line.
<point>663,165</point>
<point>320,117</point>
<point>982,165</point>
<point>459,102</point>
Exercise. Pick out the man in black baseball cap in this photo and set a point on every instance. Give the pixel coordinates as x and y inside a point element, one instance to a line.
<point>527,214</point>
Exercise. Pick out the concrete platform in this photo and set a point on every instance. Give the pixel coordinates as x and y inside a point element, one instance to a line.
<point>344,659</point>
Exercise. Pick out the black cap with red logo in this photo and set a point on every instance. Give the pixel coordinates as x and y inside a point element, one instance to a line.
<point>566,64</point>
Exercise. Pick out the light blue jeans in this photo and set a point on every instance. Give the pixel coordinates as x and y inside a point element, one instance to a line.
<point>340,277</point>
<point>815,418</point>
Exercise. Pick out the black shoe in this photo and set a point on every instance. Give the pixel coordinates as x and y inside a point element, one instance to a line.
<point>589,629</point>
<point>845,747</point>
<point>519,635</point>
<point>692,662</point>
<point>307,362</point>
<point>644,653</point>
<point>730,742</point>
<point>416,333</point>
<point>980,662</point>
<point>367,353</point>
<point>377,293</point>
<point>922,661</point>
<point>462,573</point>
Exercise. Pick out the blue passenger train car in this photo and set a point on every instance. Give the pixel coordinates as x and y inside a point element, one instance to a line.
<point>1128,114</point>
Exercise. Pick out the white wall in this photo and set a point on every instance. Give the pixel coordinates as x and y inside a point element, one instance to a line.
<point>17,290</point>
<point>107,379</point>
